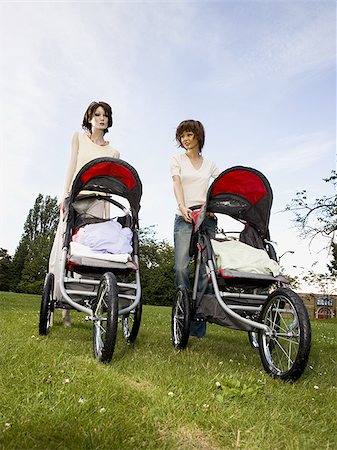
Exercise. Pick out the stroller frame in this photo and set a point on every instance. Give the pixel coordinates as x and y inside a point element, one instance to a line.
<point>67,293</point>
<point>90,284</point>
<point>276,320</point>
<point>228,308</point>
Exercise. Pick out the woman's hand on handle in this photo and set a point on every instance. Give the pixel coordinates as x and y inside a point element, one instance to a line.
<point>186,212</point>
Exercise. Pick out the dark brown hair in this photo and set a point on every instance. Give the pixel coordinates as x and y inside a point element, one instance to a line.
<point>86,125</point>
<point>195,127</point>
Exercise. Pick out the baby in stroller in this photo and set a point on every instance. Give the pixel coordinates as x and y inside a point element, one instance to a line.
<point>98,270</point>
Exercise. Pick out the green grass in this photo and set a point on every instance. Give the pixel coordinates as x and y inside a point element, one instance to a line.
<point>54,395</point>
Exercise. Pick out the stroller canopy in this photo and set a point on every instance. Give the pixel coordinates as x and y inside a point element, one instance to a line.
<point>112,176</point>
<point>242,193</point>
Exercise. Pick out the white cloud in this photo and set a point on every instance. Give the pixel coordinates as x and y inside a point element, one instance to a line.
<point>298,153</point>
<point>298,45</point>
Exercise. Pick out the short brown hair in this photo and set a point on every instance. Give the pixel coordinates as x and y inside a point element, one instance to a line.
<point>195,127</point>
<point>86,125</point>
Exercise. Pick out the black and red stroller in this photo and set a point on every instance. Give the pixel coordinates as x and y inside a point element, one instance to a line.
<point>103,285</point>
<point>249,293</point>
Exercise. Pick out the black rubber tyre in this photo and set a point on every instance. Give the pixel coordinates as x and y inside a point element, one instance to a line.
<point>253,339</point>
<point>131,323</point>
<point>47,305</point>
<point>180,323</point>
<point>105,310</point>
<point>285,350</point>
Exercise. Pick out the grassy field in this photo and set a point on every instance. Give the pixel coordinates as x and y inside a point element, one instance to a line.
<point>54,395</point>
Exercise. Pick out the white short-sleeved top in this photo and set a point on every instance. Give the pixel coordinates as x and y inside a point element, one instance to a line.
<point>195,182</point>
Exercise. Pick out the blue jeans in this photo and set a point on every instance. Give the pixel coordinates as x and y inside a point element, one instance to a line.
<point>182,236</point>
<point>182,259</point>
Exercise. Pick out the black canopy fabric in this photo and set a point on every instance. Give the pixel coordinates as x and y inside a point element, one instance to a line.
<point>243,193</point>
<point>112,176</point>
<point>109,176</point>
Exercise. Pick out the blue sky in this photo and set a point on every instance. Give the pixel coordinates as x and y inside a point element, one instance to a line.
<point>259,75</point>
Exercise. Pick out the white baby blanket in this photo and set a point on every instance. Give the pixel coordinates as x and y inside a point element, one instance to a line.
<point>77,249</point>
<point>236,255</point>
<point>105,237</point>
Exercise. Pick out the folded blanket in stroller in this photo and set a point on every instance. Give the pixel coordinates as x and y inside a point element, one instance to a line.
<point>105,237</point>
<point>235,255</point>
<point>80,250</point>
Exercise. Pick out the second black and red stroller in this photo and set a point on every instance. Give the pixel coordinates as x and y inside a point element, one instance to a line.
<point>249,293</point>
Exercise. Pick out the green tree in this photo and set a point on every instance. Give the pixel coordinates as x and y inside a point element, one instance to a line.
<point>36,264</point>
<point>5,270</point>
<point>19,262</point>
<point>333,263</point>
<point>30,261</point>
<point>42,219</point>
<point>325,282</point>
<point>317,217</point>
<point>156,268</point>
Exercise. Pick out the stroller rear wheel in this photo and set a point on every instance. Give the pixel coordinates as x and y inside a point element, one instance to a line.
<point>105,310</point>
<point>180,324</point>
<point>47,305</point>
<point>284,351</point>
<point>131,324</point>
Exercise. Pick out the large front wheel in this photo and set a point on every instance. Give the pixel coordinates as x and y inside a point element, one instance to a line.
<point>285,348</point>
<point>47,305</point>
<point>105,320</point>
<point>180,324</point>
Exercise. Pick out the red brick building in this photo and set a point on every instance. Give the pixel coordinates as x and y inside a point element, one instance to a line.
<point>320,306</point>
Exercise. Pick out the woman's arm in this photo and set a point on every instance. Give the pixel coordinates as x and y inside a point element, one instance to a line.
<point>179,194</point>
<point>71,167</point>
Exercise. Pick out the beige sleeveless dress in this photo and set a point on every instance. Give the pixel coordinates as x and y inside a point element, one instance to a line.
<point>87,151</point>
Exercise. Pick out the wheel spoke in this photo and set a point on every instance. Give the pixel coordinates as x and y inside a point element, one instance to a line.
<point>275,315</point>
<point>284,338</point>
<point>283,331</point>
<point>285,353</point>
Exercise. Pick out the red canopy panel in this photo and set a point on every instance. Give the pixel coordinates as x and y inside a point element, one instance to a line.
<point>111,170</point>
<point>240,182</point>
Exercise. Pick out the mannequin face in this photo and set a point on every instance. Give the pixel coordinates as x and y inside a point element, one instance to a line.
<point>189,140</point>
<point>99,120</point>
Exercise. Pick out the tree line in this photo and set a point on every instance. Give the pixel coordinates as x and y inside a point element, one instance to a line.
<point>26,270</point>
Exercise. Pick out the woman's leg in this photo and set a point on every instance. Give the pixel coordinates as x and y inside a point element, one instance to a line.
<point>198,326</point>
<point>182,259</point>
<point>66,317</point>
<point>182,237</point>
<point>210,223</point>
<point>55,267</point>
